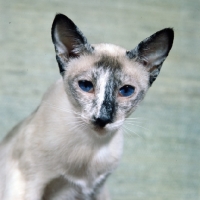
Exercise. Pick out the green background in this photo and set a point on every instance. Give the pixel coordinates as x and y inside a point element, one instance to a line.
<point>161,159</point>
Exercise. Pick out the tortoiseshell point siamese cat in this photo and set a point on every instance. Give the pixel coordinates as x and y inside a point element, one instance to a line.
<point>68,147</point>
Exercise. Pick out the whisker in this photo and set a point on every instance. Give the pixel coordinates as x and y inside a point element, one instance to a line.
<point>76,127</point>
<point>131,131</point>
<point>127,132</point>
<point>60,109</point>
<point>132,122</point>
<point>135,119</point>
<point>135,124</point>
<point>65,121</point>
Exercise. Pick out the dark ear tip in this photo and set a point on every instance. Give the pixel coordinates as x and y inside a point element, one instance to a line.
<point>62,20</point>
<point>60,16</point>
<point>167,31</point>
<point>170,33</point>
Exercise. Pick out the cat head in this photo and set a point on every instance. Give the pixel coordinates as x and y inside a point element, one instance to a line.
<point>104,82</point>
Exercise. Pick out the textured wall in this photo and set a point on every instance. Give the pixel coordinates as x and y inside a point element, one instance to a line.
<point>162,147</point>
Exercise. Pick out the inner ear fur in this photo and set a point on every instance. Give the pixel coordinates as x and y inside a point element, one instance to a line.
<point>152,51</point>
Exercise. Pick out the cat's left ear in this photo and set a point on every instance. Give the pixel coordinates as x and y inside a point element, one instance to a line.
<point>152,51</point>
<point>68,40</point>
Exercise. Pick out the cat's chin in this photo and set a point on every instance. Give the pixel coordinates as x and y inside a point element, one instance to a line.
<point>100,131</point>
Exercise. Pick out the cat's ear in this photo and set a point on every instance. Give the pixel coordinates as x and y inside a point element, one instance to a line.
<point>152,51</point>
<point>68,40</point>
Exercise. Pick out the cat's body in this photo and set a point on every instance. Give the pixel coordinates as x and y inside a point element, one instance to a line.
<point>84,160</point>
<point>73,141</point>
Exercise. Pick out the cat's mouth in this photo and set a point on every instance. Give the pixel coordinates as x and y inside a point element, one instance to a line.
<point>103,129</point>
<point>103,126</point>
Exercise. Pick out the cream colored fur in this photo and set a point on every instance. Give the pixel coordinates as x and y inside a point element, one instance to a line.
<point>44,138</point>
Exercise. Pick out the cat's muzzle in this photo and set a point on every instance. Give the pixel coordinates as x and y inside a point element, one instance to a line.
<point>101,121</point>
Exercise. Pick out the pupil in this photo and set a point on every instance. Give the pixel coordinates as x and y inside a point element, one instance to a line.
<point>87,84</point>
<point>126,89</point>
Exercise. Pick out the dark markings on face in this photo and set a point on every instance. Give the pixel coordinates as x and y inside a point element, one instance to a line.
<point>154,73</point>
<point>133,103</point>
<point>73,90</point>
<point>109,105</point>
<point>139,98</point>
<point>108,61</point>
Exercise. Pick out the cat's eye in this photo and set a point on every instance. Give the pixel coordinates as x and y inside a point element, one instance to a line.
<point>126,90</point>
<point>86,86</point>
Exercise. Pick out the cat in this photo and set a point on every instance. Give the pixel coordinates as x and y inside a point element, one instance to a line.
<point>67,148</point>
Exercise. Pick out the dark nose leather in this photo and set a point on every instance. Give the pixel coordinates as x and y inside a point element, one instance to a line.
<point>102,121</point>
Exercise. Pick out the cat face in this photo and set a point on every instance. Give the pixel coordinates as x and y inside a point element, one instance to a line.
<point>105,82</point>
<point>106,86</point>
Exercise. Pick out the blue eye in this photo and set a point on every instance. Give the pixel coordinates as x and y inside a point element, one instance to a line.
<point>86,86</point>
<point>126,90</point>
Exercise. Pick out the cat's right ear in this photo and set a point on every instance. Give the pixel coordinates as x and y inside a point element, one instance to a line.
<point>68,40</point>
<point>152,51</point>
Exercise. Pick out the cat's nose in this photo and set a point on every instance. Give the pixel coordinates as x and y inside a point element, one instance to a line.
<point>102,121</point>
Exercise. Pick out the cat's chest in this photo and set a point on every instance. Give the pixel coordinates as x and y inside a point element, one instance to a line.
<point>89,178</point>
<point>90,171</point>
<point>87,186</point>
<point>82,187</point>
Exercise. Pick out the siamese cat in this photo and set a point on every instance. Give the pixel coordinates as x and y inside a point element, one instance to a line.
<point>68,147</point>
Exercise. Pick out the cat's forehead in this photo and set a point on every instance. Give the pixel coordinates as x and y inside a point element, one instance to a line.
<point>106,57</point>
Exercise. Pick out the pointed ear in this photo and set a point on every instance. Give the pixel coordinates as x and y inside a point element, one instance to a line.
<point>152,51</point>
<point>68,40</point>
